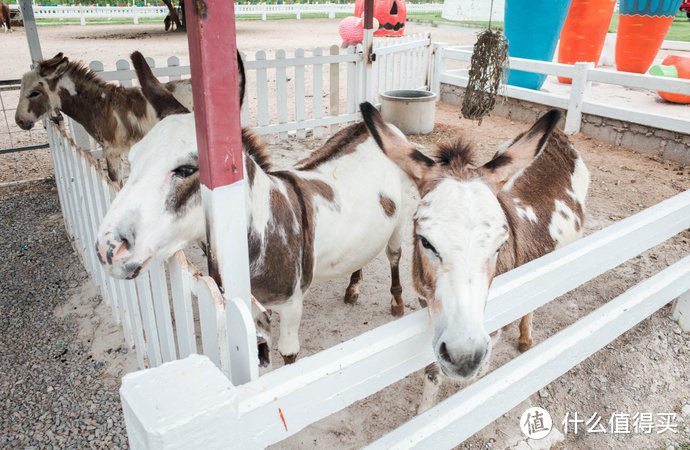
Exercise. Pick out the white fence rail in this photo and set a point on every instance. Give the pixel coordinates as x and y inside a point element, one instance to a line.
<point>310,89</point>
<point>317,386</point>
<point>263,10</point>
<point>577,103</point>
<point>168,313</point>
<point>172,310</point>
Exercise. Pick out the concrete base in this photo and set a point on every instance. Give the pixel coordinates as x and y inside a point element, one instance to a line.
<point>663,144</point>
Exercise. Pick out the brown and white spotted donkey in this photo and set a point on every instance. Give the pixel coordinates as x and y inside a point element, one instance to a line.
<point>326,218</point>
<point>474,222</point>
<point>115,116</point>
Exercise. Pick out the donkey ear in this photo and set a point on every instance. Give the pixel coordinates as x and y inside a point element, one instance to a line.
<point>53,67</point>
<point>241,79</point>
<point>414,163</point>
<point>160,98</point>
<point>521,152</point>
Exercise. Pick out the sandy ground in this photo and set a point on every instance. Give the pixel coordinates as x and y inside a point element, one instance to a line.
<point>645,370</point>
<point>109,43</point>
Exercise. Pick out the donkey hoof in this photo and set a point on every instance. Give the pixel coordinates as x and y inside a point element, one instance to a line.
<point>351,297</point>
<point>524,346</point>
<point>289,359</point>
<point>397,310</point>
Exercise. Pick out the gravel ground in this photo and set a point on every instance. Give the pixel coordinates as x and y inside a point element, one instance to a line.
<point>59,396</point>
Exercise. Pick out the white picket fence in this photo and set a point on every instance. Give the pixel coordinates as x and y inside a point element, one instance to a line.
<point>309,90</point>
<point>577,102</point>
<point>263,10</point>
<point>173,311</point>
<point>190,403</point>
<point>169,312</point>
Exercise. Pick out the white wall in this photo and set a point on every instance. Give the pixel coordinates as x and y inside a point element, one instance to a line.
<point>473,10</point>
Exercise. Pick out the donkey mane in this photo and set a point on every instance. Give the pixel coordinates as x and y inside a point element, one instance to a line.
<point>78,71</point>
<point>455,154</point>
<point>256,149</point>
<point>335,146</point>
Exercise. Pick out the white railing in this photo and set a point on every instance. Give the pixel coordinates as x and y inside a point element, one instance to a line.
<point>310,89</point>
<point>263,10</point>
<point>156,310</point>
<point>182,404</point>
<point>577,102</point>
<point>173,312</point>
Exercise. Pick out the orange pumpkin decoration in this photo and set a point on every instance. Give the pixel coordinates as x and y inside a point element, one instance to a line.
<point>391,15</point>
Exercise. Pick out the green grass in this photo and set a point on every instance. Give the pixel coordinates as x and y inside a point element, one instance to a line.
<point>124,21</point>
<point>679,31</point>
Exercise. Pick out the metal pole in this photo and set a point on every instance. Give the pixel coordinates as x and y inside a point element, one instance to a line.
<point>27,11</point>
<point>368,44</point>
<point>213,58</point>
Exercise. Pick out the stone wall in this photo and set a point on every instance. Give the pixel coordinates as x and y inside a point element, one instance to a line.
<point>664,144</point>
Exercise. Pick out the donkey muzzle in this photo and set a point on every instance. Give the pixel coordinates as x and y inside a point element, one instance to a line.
<point>116,256</point>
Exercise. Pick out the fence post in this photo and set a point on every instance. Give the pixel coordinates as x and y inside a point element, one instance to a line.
<point>299,12</point>
<point>437,68</point>
<point>82,18</point>
<point>368,47</point>
<point>681,311</point>
<point>334,87</point>
<point>263,13</point>
<point>578,92</point>
<point>213,63</point>
<point>134,15</point>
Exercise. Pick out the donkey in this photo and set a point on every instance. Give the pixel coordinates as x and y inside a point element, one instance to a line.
<point>473,223</point>
<point>326,218</point>
<point>5,17</point>
<point>115,116</point>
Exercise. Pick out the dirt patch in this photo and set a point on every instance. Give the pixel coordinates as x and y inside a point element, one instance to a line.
<point>116,36</point>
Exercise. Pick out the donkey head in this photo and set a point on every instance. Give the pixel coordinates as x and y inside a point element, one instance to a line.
<point>158,211</point>
<point>459,229</point>
<point>40,90</point>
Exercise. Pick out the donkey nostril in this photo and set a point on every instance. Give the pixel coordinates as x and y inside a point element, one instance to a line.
<point>125,243</point>
<point>443,352</point>
<point>479,356</point>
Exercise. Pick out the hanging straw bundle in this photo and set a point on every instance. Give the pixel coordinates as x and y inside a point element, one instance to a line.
<point>488,64</point>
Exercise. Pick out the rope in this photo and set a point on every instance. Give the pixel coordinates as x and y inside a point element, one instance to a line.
<point>487,68</point>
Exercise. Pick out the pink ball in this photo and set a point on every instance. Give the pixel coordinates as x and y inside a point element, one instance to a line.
<point>351,30</point>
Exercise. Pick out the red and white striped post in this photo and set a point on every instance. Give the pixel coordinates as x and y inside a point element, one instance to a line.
<point>213,58</point>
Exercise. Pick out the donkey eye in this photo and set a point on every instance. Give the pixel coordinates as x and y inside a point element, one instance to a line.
<point>34,94</point>
<point>185,171</point>
<point>427,245</point>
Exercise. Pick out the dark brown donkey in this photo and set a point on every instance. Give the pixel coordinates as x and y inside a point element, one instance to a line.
<point>115,116</point>
<point>5,18</point>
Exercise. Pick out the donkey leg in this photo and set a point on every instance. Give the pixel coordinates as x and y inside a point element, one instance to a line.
<point>352,292</point>
<point>393,252</point>
<point>525,341</point>
<point>290,317</point>
<point>432,384</point>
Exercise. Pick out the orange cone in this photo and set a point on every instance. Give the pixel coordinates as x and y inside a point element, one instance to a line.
<point>584,32</point>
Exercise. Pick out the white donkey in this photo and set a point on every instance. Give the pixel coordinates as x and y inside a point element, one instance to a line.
<point>473,223</point>
<point>327,218</point>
